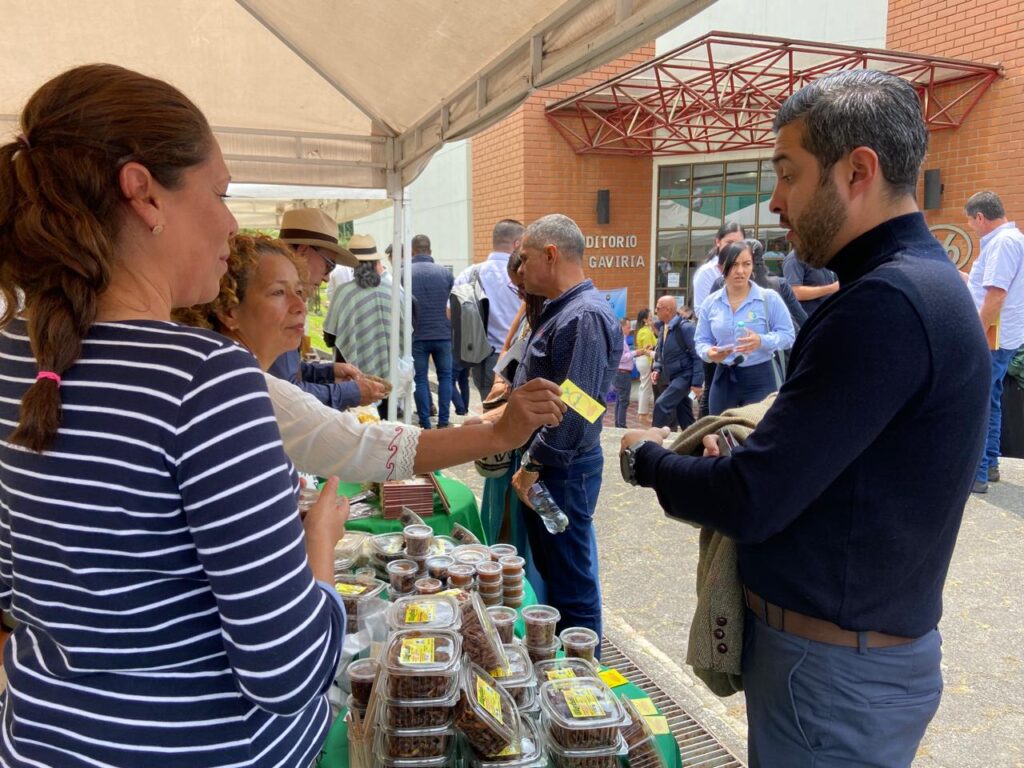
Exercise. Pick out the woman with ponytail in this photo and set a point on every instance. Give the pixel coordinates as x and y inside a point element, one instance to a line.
<point>172,607</point>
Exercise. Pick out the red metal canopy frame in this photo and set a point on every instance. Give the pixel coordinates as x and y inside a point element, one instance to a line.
<point>721,91</point>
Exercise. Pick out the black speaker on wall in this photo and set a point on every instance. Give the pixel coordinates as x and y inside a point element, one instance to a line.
<point>932,189</point>
<point>604,206</point>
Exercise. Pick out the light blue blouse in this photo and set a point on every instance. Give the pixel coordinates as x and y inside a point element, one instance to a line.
<point>763,312</point>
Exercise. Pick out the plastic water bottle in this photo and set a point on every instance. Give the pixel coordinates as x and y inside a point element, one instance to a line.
<point>740,332</point>
<point>544,504</point>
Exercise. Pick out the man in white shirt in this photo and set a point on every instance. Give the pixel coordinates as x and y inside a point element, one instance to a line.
<point>996,283</point>
<point>502,297</point>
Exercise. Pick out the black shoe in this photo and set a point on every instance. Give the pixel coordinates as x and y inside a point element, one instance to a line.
<point>433,410</point>
<point>993,474</point>
<point>979,487</point>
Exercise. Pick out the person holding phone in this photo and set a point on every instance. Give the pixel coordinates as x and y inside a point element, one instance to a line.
<point>740,326</point>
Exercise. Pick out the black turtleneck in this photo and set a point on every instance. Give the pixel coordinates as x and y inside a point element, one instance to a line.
<point>846,501</point>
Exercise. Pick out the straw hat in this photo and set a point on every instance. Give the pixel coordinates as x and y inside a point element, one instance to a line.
<point>311,226</point>
<point>364,248</point>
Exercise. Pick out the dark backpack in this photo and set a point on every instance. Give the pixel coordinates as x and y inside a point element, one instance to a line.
<point>470,308</point>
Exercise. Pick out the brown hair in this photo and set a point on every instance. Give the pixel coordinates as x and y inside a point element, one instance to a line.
<point>61,208</point>
<point>246,252</point>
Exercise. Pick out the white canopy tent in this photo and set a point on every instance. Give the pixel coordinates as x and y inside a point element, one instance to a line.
<point>338,93</point>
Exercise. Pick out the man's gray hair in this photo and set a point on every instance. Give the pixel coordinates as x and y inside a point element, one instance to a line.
<point>987,204</point>
<point>505,234</point>
<point>862,108</point>
<point>559,230</point>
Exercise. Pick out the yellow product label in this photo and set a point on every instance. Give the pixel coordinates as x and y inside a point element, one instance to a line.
<point>489,698</point>
<point>583,703</point>
<point>560,674</point>
<point>419,613</point>
<point>658,723</point>
<point>417,650</point>
<point>581,402</point>
<point>645,706</point>
<point>510,751</point>
<point>498,672</point>
<point>452,592</point>
<point>349,589</point>
<point>613,678</point>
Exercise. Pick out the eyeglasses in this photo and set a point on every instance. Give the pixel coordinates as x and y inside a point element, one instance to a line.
<point>331,263</point>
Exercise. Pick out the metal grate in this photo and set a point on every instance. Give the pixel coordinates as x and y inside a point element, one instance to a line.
<point>697,747</point>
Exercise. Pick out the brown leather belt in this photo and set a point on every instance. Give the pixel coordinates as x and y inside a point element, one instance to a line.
<point>818,630</point>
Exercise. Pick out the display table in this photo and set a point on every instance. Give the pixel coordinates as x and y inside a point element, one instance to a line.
<point>464,511</point>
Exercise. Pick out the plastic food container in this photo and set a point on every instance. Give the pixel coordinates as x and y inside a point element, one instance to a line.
<point>425,612</point>
<point>414,742</point>
<point>471,557</point>
<point>443,545</point>
<point>486,714</point>
<point>488,572</point>
<point>517,677</point>
<point>514,601</point>
<point>480,639</point>
<point>499,551</point>
<point>438,565</point>
<point>494,590</point>
<point>563,669</point>
<point>354,591</point>
<point>594,757</point>
<point>386,547</point>
<point>361,676</point>
<point>581,713</point>
<point>417,540</point>
<point>526,751</point>
<point>421,713</point>
<point>512,565</point>
<point>402,574</point>
<point>351,545</point>
<point>446,760</point>
<point>540,623</point>
<point>639,738</point>
<point>513,590</point>
<point>461,576</point>
<point>579,642</point>
<point>427,586</point>
<point>544,652</point>
<point>504,622</point>
<point>420,664</point>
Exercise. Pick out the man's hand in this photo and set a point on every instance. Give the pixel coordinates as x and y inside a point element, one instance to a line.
<point>718,354</point>
<point>697,392</point>
<point>521,482</point>
<point>346,372</point>
<point>654,377</point>
<point>535,404</point>
<point>633,436</point>
<point>369,391</point>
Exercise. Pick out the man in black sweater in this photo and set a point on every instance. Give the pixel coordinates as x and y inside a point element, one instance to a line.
<point>846,501</point>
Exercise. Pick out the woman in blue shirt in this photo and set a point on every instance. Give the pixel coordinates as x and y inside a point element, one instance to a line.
<point>739,327</point>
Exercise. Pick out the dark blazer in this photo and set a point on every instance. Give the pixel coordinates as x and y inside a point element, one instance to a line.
<point>676,356</point>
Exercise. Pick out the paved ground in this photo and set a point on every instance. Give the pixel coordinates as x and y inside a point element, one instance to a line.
<point>648,564</point>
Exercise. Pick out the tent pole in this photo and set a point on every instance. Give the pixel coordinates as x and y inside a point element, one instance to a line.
<point>394,184</point>
<point>407,215</point>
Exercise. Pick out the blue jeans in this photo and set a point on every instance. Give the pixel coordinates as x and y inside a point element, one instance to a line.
<point>441,351</point>
<point>623,386</point>
<point>674,400</point>
<point>460,388</point>
<point>814,705</point>
<point>1000,363</point>
<point>567,561</point>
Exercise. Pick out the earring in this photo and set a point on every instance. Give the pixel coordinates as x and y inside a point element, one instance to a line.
<point>157,229</point>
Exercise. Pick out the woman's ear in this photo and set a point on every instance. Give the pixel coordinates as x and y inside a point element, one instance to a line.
<point>228,318</point>
<point>142,193</point>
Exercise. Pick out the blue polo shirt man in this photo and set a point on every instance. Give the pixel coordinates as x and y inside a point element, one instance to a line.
<point>431,331</point>
<point>811,285</point>
<point>996,282</point>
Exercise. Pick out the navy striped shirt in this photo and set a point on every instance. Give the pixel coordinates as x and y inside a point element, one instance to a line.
<point>156,561</point>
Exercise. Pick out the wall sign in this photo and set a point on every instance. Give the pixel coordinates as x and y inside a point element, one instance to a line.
<point>958,244</point>
<point>614,261</point>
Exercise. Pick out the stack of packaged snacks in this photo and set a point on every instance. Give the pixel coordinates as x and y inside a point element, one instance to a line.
<point>643,751</point>
<point>517,678</point>
<point>526,751</point>
<point>512,577</point>
<point>581,720</point>
<point>480,639</point>
<point>499,551</point>
<point>486,714</point>
<point>488,582</point>
<point>540,621</point>
<point>356,591</point>
<point>563,669</point>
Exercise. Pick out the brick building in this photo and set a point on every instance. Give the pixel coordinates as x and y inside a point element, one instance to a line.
<point>666,204</point>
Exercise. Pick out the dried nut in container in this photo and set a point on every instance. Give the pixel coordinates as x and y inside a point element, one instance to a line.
<point>489,589</point>
<point>544,652</point>
<point>417,540</point>
<point>512,602</point>
<point>594,757</point>
<point>562,669</point>
<point>361,675</point>
<point>480,639</point>
<point>415,742</point>
<point>354,591</point>
<point>526,751</point>
<point>427,586</point>
<point>639,738</point>
<point>402,575</point>
<point>399,716</point>
<point>438,565</point>
<point>485,714</point>
<point>504,621</point>
<point>540,624</point>
<point>386,547</point>
<point>488,573</point>
<point>513,591</point>
<point>499,551</point>
<point>512,565</point>
<point>461,575</point>
<point>581,713</point>
<point>580,642</point>
<point>517,677</point>
<point>424,612</point>
<point>492,601</point>
<point>420,664</point>
<point>469,557</point>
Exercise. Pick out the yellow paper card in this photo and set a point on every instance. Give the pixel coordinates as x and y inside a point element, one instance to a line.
<point>658,723</point>
<point>613,678</point>
<point>581,402</point>
<point>645,706</point>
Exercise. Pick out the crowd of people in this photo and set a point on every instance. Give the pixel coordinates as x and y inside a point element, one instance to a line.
<point>174,607</point>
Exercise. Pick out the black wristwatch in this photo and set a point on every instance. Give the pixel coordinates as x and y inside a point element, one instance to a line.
<point>627,462</point>
<point>530,465</point>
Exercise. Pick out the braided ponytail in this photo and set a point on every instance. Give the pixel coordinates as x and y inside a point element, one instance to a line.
<point>61,209</point>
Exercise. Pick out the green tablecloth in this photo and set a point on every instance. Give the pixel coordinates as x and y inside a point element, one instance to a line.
<point>464,511</point>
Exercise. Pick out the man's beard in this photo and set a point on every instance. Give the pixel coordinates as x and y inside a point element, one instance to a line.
<point>818,225</point>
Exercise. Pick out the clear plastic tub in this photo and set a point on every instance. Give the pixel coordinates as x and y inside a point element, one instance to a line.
<point>512,601</point>
<point>425,612</point>
<point>486,714</point>
<point>563,669</point>
<point>540,623</point>
<point>402,575</point>
<point>544,652</point>
<point>427,586</point>
<point>594,757</point>
<point>351,545</point>
<point>643,749</point>
<point>420,664</point>
<point>579,642</point>
<point>443,545</point>
<point>517,677</point>
<point>398,743</point>
<point>438,565</point>
<point>446,760</point>
<point>471,557</point>
<point>512,566</point>
<point>492,600</point>
<point>494,590</point>
<point>488,572</point>
<point>355,591</point>
<point>581,713</point>
<point>504,622</point>
<point>386,547</point>
<point>361,675</point>
<point>480,639</point>
<point>421,713</point>
<point>499,551</point>
<point>526,751</point>
<point>417,540</point>
<point>461,576</point>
